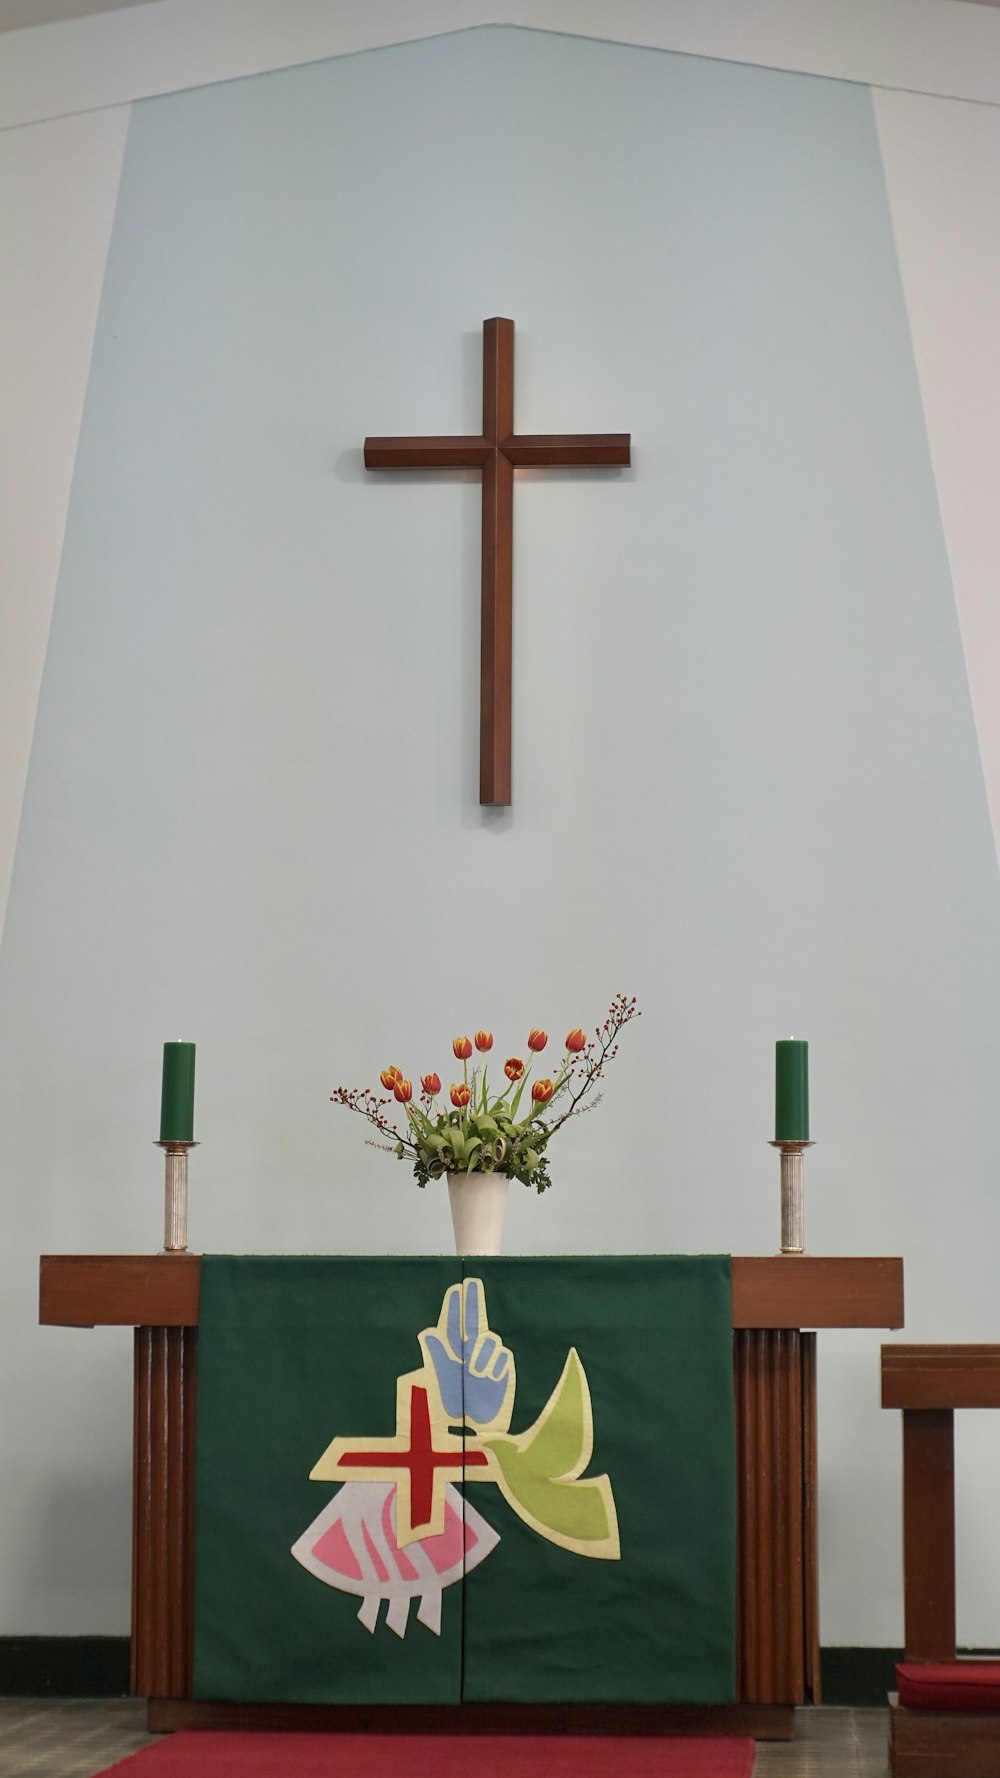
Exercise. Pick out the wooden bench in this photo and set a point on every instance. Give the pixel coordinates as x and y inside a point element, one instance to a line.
<point>928,1383</point>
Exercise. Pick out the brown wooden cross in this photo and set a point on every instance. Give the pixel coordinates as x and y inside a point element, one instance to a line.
<point>498,452</point>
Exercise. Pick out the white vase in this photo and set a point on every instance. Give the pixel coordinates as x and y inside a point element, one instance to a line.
<point>478,1203</point>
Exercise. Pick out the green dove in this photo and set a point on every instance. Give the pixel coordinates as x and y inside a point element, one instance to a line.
<point>538,1472</point>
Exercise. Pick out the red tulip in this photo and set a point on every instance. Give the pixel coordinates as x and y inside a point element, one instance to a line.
<point>513,1068</point>
<point>484,1041</point>
<point>460,1095</point>
<point>542,1091</point>
<point>537,1040</point>
<point>389,1077</point>
<point>431,1083</point>
<point>462,1047</point>
<point>403,1090</point>
<point>576,1040</point>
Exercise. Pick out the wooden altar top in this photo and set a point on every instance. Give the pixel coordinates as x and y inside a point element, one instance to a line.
<point>164,1290</point>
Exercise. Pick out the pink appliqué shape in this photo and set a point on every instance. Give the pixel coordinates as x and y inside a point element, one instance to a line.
<point>352,1546</point>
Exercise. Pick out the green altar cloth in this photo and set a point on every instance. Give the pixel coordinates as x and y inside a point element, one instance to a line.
<point>524,1480</point>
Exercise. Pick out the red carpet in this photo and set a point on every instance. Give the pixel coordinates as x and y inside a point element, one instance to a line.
<point>203,1753</point>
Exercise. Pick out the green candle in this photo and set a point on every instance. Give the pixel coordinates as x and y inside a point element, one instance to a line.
<point>791,1090</point>
<point>177,1101</point>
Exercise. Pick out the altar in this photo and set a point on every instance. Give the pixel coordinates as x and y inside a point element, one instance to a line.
<point>777,1304</point>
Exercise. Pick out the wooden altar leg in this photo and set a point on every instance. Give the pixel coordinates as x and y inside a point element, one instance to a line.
<point>776,1588</point>
<point>163,1511</point>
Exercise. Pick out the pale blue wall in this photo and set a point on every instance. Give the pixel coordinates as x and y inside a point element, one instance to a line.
<point>746,784</point>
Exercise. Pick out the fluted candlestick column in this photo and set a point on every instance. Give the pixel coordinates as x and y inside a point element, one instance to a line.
<point>175,1196</point>
<point>792,1195</point>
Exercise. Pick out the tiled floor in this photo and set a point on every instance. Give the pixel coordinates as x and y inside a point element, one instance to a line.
<point>74,1739</point>
<point>70,1738</point>
<point>829,1744</point>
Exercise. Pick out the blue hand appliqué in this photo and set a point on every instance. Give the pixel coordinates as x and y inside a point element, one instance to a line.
<point>474,1370</point>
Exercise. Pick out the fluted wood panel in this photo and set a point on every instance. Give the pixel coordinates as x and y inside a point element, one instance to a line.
<point>810,1518</point>
<point>774,1378</point>
<point>163,1511</point>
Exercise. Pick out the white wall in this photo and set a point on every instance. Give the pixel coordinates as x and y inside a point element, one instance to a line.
<point>275,1030</point>
<point>59,183</point>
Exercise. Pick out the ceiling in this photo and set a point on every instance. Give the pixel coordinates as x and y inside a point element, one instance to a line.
<point>16,14</point>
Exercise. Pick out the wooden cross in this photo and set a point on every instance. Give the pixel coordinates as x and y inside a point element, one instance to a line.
<point>498,451</point>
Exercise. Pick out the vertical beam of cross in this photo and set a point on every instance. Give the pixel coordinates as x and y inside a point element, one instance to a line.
<point>419,1467</point>
<point>498,451</point>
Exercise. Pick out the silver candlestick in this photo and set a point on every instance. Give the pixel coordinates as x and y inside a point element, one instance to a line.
<point>792,1215</point>
<point>175,1203</point>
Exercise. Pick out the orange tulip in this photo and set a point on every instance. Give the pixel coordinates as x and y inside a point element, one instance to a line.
<point>576,1040</point>
<point>513,1068</point>
<point>460,1095</point>
<point>462,1047</point>
<point>389,1077</point>
<point>537,1040</point>
<point>542,1091</point>
<point>403,1090</point>
<point>431,1083</point>
<point>484,1041</point>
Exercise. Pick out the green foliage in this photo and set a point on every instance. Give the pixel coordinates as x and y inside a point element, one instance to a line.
<point>489,1141</point>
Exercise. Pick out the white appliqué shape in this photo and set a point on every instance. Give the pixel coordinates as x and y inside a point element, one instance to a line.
<point>352,1546</point>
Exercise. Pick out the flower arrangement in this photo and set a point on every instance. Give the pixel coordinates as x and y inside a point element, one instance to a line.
<point>486,1131</point>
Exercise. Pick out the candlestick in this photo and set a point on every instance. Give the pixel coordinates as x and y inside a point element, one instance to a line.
<point>791,1090</point>
<point>792,1207</point>
<point>175,1195</point>
<point>177,1098</point>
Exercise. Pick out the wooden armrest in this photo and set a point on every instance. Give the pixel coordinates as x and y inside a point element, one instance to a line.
<point>941,1376</point>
